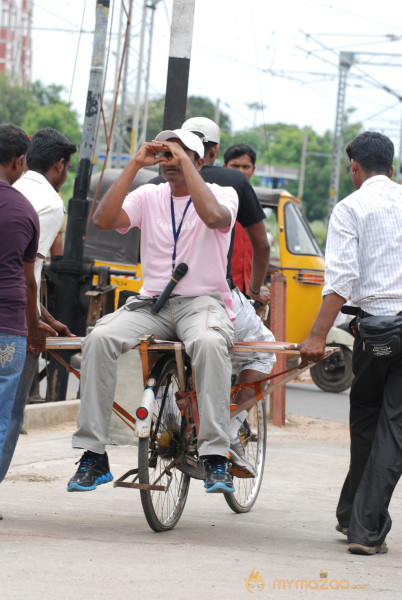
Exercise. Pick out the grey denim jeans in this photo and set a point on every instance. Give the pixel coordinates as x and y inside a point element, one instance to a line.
<point>203,325</point>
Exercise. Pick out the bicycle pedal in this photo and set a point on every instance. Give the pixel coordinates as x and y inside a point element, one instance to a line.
<point>235,471</point>
<point>192,466</point>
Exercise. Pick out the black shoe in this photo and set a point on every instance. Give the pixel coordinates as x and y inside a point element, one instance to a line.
<point>356,548</point>
<point>218,477</point>
<point>93,470</point>
<point>341,529</point>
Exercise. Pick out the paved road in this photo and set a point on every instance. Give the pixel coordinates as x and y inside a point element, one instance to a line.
<point>309,401</point>
<point>96,545</point>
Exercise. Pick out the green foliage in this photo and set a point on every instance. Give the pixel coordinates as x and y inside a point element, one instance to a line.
<point>52,115</point>
<point>37,107</point>
<point>46,95</point>
<point>13,102</point>
<point>155,117</point>
<point>319,228</point>
<point>256,137</point>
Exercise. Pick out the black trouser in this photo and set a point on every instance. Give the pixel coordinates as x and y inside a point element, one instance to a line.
<point>376,447</point>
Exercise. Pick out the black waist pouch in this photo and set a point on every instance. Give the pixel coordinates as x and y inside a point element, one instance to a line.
<point>382,336</point>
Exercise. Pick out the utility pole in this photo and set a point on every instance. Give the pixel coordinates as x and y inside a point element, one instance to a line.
<point>181,36</point>
<point>137,101</point>
<point>217,111</point>
<point>122,108</point>
<point>345,61</point>
<point>303,164</point>
<point>71,274</point>
<point>116,83</point>
<point>143,138</point>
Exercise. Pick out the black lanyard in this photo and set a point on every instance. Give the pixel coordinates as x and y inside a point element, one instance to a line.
<point>176,233</point>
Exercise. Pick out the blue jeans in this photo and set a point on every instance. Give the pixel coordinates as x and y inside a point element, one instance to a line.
<point>17,413</point>
<point>12,358</point>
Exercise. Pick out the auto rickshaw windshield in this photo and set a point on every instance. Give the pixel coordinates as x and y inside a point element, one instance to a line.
<point>298,236</point>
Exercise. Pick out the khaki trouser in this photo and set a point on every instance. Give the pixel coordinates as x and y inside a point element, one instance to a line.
<point>204,327</point>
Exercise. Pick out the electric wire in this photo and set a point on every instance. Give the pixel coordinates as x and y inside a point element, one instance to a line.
<point>352,14</point>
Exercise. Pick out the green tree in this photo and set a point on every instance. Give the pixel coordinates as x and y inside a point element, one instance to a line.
<point>13,102</point>
<point>45,95</point>
<point>255,137</point>
<point>155,117</point>
<point>52,115</point>
<point>39,106</point>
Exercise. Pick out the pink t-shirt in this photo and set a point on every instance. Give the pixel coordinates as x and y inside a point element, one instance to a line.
<point>204,250</point>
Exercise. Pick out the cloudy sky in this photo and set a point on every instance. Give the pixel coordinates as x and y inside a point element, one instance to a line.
<point>282,56</point>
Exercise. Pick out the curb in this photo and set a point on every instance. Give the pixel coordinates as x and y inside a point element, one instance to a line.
<point>48,414</point>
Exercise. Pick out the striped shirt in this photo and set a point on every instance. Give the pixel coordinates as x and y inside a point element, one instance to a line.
<point>363,256</point>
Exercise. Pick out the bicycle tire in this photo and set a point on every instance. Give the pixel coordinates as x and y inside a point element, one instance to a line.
<point>246,491</point>
<point>163,509</point>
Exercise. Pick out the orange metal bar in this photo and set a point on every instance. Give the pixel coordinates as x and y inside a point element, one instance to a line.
<point>278,328</point>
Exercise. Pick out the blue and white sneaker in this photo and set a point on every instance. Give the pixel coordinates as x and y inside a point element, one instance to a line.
<point>218,478</point>
<point>93,471</point>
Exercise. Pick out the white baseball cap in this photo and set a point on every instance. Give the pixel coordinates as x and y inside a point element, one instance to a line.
<point>190,140</point>
<point>208,128</point>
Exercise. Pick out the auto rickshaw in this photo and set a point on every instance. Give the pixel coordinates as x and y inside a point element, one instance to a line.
<point>296,253</point>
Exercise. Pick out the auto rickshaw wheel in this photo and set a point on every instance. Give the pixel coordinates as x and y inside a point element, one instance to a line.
<point>334,374</point>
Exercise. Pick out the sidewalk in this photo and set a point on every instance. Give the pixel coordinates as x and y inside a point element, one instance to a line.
<point>58,545</point>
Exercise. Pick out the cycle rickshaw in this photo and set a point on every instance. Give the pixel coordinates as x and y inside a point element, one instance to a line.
<point>166,424</point>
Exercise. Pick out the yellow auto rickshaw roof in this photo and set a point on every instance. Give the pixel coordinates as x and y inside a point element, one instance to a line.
<point>271,197</point>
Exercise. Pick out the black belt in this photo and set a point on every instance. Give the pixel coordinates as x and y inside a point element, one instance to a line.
<point>358,312</point>
<point>355,311</point>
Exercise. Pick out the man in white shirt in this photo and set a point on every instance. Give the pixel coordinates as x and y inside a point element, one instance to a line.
<point>48,160</point>
<point>363,262</point>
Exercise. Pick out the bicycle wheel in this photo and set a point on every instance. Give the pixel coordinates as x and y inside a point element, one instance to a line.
<point>254,441</point>
<point>158,452</point>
